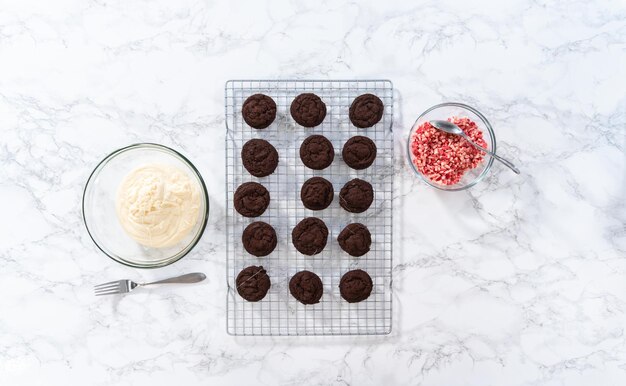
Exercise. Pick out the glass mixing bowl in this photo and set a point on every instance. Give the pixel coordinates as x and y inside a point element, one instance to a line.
<point>444,111</point>
<point>100,216</point>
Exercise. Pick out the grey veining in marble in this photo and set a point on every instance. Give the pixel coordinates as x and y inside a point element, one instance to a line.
<point>519,281</point>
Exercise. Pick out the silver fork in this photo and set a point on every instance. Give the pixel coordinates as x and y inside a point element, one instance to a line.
<point>125,286</point>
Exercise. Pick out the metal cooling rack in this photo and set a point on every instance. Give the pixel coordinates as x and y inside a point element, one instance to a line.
<point>279,313</point>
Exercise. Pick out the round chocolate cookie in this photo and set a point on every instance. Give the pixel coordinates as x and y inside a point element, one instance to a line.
<point>306,287</point>
<point>308,110</point>
<point>251,199</point>
<point>359,152</point>
<point>310,236</point>
<point>355,239</point>
<point>366,110</point>
<point>317,193</point>
<point>259,239</point>
<point>259,157</point>
<point>355,286</point>
<point>316,152</point>
<point>259,111</point>
<point>253,283</point>
<point>356,196</point>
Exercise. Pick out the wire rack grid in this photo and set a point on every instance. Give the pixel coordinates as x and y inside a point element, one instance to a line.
<point>279,313</point>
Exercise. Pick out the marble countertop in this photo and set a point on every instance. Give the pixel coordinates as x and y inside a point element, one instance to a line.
<point>518,281</point>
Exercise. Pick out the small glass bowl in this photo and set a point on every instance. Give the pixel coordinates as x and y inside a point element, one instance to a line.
<point>100,216</point>
<point>444,111</point>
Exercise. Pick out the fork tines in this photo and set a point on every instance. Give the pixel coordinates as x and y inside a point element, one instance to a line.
<point>110,288</point>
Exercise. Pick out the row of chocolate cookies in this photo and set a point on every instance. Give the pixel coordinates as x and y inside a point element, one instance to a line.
<point>318,153</point>
<point>355,196</point>
<point>309,237</point>
<point>253,283</point>
<point>260,157</point>
<point>354,286</point>
<point>251,199</point>
<point>309,110</point>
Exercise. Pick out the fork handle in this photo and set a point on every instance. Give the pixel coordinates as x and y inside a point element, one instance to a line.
<point>182,279</point>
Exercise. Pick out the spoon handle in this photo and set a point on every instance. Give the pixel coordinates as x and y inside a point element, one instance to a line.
<point>508,163</point>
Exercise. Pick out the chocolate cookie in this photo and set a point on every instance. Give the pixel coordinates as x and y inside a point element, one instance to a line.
<point>359,152</point>
<point>259,239</point>
<point>366,110</point>
<point>355,286</point>
<point>308,110</point>
<point>355,239</point>
<point>310,236</point>
<point>316,152</point>
<point>317,193</point>
<point>356,196</point>
<point>251,199</point>
<point>259,157</point>
<point>306,287</point>
<point>253,283</point>
<point>259,111</point>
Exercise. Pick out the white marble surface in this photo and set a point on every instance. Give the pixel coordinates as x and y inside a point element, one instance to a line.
<point>520,281</point>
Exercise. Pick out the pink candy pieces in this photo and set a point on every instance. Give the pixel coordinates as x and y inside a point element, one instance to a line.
<point>443,157</point>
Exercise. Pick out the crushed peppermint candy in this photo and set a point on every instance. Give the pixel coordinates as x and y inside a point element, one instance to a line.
<point>444,158</point>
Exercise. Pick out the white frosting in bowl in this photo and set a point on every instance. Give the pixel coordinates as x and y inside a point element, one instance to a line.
<point>158,205</point>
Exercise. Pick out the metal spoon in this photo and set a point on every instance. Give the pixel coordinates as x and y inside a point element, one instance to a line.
<point>451,128</point>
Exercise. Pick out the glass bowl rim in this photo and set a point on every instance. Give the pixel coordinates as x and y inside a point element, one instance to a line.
<point>185,160</point>
<point>492,136</point>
